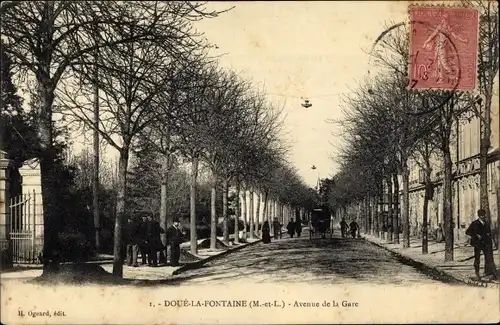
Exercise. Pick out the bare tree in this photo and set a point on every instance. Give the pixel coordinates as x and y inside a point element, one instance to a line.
<point>132,80</point>
<point>47,38</point>
<point>162,136</point>
<point>423,154</point>
<point>226,111</point>
<point>449,107</point>
<point>191,130</point>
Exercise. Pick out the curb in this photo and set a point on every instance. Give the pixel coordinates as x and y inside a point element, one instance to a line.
<point>200,263</point>
<point>433,271</point>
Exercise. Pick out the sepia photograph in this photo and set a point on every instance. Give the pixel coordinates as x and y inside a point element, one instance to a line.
<point>249,162</point>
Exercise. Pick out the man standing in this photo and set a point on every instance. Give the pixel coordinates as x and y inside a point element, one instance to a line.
<point>354,227</point>
<point>143,246</point>
<point>343,228</point>
<point>174,238</point>
<point>298,227</point>
<point>480,234</point>
<point>132,235</point>
<point>276,228</point>
<point>291,228</point>
<point>153,237</point>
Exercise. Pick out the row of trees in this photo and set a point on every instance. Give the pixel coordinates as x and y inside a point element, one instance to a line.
<point>139,77</point>
<point>386,125</point>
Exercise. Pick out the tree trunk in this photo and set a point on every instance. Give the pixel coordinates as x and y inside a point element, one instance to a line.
<point>192,222</point>
<point>374,215</point>
<point>51,216</point>
<point>251,214</point>
<point>367,214</point>
<point>164,219</point>
<point>397,208</point>
<point>245,209</point>
<point>447,204</point>
<point>282,213</point>
<point>425,212</point>
<point>45,99</point>
<point>273,208</point>
<point>380,210</point>
<point>485,144</point>
<point>237,213</point>
<point>271,213</point>
<point>390,218</point>
<point>257,216</point>
<point>95,183</point>
<point>405,212</point>
<point>120,212</point>
<point>225,219</point>
<point>266,208</point>
<point>213,216</point>
<point>95,191</point>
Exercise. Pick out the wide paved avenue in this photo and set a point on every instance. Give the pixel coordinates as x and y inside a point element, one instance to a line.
<point>298,260</point>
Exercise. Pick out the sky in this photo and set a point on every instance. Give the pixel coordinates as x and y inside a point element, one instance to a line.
<point>311,49</point>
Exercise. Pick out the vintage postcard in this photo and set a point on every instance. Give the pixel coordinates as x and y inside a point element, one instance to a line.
<point>249,162</point>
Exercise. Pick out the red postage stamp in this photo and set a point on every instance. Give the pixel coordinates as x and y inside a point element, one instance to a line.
<point>443,48</point>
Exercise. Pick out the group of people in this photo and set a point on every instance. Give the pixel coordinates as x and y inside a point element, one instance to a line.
<point>353,228</point>
<point>292,228</point>
<point>144,235</point>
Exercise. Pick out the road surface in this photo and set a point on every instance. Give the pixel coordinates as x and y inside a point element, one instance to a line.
<point>298,260</point>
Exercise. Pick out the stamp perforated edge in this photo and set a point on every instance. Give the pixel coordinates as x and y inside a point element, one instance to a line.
<point>458,5</point>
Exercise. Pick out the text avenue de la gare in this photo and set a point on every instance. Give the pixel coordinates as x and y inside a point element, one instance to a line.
<point>254,303</point>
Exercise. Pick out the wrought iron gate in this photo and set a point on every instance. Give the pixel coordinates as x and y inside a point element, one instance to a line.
<point>23,229</point>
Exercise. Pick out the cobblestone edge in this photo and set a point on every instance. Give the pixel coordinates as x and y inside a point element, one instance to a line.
<point>200,263</point>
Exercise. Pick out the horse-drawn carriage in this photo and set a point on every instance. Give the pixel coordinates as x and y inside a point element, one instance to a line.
<point>320,224</point>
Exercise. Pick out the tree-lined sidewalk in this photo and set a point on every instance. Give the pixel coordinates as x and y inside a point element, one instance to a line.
<point>142,80</point>
<point>460,269</point>
<point>389,130</point>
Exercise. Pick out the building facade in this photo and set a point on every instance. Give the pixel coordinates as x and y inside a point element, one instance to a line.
<point>465,144</point>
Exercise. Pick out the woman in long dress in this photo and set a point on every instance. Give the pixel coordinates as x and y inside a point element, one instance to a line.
<point>266,237</point>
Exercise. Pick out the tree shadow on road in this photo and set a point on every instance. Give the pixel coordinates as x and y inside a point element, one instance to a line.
<point>343,260</point>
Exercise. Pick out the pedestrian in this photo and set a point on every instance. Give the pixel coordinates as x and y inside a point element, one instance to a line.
<point>155,245</point>
<point>343,228</point>
<point>291,228</point>
<point>266,236</point>
<point>298,227</point>
<point>354,227</point>
<point>143,246</point>
<point>439,233</point>
<point>132,235</point>
<point>480,238</point>
<point>174,239</point>
<point>276,228</point>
